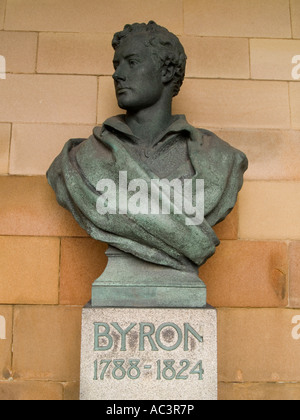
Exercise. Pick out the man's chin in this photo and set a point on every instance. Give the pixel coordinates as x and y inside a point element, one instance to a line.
<point>127,107</point>
<point>122,106</point>
<point>122,103</point>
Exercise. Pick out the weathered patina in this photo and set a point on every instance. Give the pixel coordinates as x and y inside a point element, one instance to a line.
<point>153,257</point>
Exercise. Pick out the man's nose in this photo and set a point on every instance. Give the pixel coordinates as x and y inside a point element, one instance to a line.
<point>118,75</point>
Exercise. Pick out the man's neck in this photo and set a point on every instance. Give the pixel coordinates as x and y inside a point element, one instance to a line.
<point>147,124</point>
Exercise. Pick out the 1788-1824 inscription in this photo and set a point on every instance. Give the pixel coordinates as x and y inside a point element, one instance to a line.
<point>167,336</point>
<point>143,353</point>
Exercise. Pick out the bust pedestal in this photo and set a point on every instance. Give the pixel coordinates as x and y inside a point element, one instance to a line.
<point>148,334</point>
<point>130,282</point>
<point>148,354</point>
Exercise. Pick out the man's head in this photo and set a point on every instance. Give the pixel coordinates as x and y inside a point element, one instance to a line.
<point>165,47</point>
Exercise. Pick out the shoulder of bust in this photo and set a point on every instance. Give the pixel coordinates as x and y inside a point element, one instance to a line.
<point>215,145</point>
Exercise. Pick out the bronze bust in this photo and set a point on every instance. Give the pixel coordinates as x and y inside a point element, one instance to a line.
<point>138,150</point>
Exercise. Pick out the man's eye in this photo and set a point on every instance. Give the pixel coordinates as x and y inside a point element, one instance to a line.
<point>132,63</point>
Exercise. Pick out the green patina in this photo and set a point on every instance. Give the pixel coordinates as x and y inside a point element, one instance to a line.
<point>153,258</point>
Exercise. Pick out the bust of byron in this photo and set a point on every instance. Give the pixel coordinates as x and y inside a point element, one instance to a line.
<point>147,182</point>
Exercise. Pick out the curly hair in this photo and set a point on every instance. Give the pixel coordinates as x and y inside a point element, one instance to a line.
<point>164,44</point>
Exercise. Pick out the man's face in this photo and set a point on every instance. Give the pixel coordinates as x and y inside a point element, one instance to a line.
<point>138,78</point>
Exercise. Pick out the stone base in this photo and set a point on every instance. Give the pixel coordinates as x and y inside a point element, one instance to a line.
<point>148,354</point>
<point>144,284</point>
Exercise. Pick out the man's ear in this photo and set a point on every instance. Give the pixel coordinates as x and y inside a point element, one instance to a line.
<point>168,73</point>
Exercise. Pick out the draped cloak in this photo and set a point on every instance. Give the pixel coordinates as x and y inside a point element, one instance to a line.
<point>163,239</point>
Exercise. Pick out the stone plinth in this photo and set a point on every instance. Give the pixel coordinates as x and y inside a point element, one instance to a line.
<point>148,354</point>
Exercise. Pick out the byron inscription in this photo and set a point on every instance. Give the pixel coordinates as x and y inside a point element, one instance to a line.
<point>147,331</point>
<point>153,353</point>
<point>142,337</point>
